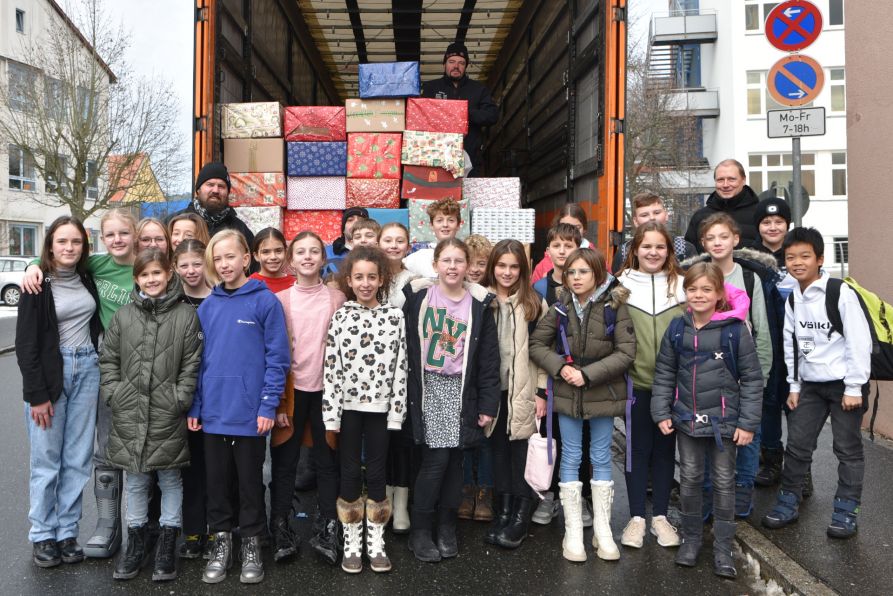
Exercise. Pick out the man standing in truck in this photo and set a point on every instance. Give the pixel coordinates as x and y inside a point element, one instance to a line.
<point>455,84</point>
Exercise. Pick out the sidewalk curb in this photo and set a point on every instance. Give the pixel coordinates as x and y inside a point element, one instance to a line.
<point>7,350</point>
<point>776,565</point>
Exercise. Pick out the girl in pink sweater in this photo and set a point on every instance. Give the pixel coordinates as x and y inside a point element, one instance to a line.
<point>309,305</point>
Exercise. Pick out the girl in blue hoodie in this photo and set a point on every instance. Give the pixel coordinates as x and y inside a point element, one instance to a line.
<point>243,372</point>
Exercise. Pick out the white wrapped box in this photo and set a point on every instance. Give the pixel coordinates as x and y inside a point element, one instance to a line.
<point>502,224</point>
<point>492,193</point>
<point>258,218</point>
<point>316,192</point>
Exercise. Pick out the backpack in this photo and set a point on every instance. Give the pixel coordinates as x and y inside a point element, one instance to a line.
<point>729,340</point>
<point>879,315</point>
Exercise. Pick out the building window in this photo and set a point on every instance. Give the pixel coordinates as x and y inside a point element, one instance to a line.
<point>56,173</point>
<point>838,89</point>
<point>764,169</point>
<point>841,249</point>
<point>20,20</point>
<point>835,12</point>
<point>92,181</point>
<point>758,98</point>
<point>755,14</point>
<point>22,79</point>
<point>838,174</point>
<point>22,171</point>
<point>55,100</point>
<point>22,240</point>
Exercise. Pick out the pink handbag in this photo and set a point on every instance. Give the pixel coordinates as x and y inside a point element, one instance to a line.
<point>541,453</point>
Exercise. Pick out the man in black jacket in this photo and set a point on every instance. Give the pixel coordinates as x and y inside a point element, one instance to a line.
<point>455,84</point>
<point>732,196</point>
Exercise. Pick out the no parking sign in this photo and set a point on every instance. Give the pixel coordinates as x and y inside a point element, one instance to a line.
<point>795,80</point>
<point>793,25</point>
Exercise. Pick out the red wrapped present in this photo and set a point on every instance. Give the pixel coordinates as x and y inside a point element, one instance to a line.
<point>422,182</point>
<point>325,223</point>
<point>377,194</point>
<point>257,190</point>
<point>315,123</point>
<point>374,155</point>
<point>437,115</point>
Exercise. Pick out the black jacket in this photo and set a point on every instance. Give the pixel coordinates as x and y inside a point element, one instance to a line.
<point>481,387</point>
<point>37,342</point>
<point>741,207</point>
<point>230,222</point>
<point>481,109</point>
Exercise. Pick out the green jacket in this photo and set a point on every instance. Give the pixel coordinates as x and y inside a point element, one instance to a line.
<point>602,360</point>
<point>148,370</point>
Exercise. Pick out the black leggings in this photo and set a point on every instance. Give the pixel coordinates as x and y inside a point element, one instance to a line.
<point>228,460</point>
<point>363,433</point>
<point>509,457</point>
<point>439,484</point>
<point>195,519</point>
<point>652,453</point>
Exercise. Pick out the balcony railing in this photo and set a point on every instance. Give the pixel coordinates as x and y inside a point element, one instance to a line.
<point>700,102</point>
<point>683,26</point>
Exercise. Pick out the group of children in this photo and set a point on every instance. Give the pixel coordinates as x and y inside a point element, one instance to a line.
<point>410,363</point>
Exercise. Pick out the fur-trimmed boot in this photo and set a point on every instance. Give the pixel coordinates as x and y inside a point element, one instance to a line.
<point>377,515</point>
<point>351,517</point>
<point>602,536</point>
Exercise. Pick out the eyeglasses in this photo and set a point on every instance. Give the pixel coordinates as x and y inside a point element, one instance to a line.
<point>578,272</point>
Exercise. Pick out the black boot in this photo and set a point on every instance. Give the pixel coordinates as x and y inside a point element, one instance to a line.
<point>504,506</point>
<point>284,541</point>
<point>45,553</point>
<point>446,534</point>
<point>723,559</point>
<point>514,533</point>
<point>770,467</point>
<point>165,555</point>
<point>421,542</point>
<point>692,536</point>
<point>106,538</point>
<point>325,539</point>
<point>133,559</point>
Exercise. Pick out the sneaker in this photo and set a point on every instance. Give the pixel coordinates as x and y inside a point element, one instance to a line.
<point>785,511</point>
<point>587,513</point>
<point>664,531</point>
<point>634,532</point>
<point>843,520</point>
<point>193,546</point>
<point>547,510</point>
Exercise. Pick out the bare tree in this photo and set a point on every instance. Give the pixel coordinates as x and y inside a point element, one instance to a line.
<point>82,118</point>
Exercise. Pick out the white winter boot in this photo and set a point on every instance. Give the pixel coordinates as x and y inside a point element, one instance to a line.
<point>401,510</point>
<point>572,503</point>
<point>602,537</point>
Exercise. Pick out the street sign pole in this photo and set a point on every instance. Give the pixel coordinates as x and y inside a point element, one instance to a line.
<point>796,190</point>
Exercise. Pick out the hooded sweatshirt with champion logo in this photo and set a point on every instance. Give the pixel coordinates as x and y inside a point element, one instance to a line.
<point>825,355</point>
<point>245,361</point>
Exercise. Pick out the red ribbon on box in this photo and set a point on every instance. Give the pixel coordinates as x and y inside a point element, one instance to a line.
<point>315,123</point>
<point>437,115</point>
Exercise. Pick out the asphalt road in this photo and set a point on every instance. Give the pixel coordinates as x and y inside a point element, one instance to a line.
<point>536,568</point>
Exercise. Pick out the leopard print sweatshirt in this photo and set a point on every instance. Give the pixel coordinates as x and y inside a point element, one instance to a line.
<point>365,365</point>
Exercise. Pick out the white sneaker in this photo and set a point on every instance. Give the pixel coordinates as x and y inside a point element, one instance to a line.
<point>634,532</point>
<point>664,531</point>
<point>546,511</point>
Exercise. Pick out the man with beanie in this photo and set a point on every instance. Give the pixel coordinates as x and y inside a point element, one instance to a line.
<point>455,84</point>
<point>211,202</point>
<point>732,196</point>
<point>337,251</point>
<point>772,218</point>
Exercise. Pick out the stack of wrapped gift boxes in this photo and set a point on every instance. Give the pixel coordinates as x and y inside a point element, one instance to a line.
<point>253,153</point>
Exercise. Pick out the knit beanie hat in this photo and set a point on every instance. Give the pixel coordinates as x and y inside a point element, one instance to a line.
<point>772,206</point>
<point>348,213</point>
<point>210,171</point>
<point>457,48</point>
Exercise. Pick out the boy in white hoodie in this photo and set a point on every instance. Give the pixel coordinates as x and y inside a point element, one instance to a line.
<point>828,373</point>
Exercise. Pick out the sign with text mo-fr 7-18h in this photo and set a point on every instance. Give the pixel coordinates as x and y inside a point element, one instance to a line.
<point>798,122</point>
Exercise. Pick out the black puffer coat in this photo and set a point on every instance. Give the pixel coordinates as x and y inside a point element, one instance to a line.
<point>742,207</point>
<point>148,370</point>
<point>707,388</point>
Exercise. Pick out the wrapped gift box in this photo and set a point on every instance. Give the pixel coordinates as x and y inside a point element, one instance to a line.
<point>254,155</point>
<point>434,149</point>
<point>386,216</point>
<point>326,223</point>
<point>250,120</point>
<point>437,115</point>
<point>258,218</point>
<point>257,190</point>
<point>317,159</point>
<point>316,192</point>
<point>420,229</point>
<point>375,115</point>
<point>373,155</point>
<point>421,182</point>
<point>493,193</point>
<point>315,123</point>
<point>502,224</point>
<point>389,79</point>
<point>381,194</point>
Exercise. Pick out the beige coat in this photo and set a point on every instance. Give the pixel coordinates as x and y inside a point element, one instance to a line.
<point>524,377</point>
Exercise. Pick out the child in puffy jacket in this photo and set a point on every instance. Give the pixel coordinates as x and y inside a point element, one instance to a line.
<point>708,386</point>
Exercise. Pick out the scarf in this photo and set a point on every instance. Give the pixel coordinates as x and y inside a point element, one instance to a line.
<point>213,219</point>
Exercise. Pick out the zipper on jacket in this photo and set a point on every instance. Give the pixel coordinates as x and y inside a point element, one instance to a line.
<point>654,318</point>
<point>584,331</point>
<point>694,381</point>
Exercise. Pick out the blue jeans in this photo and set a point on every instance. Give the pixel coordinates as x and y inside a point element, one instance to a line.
<point>60,455</point>
<point>600,431</point>
<point>483,454</point>
<point>138,490</point>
